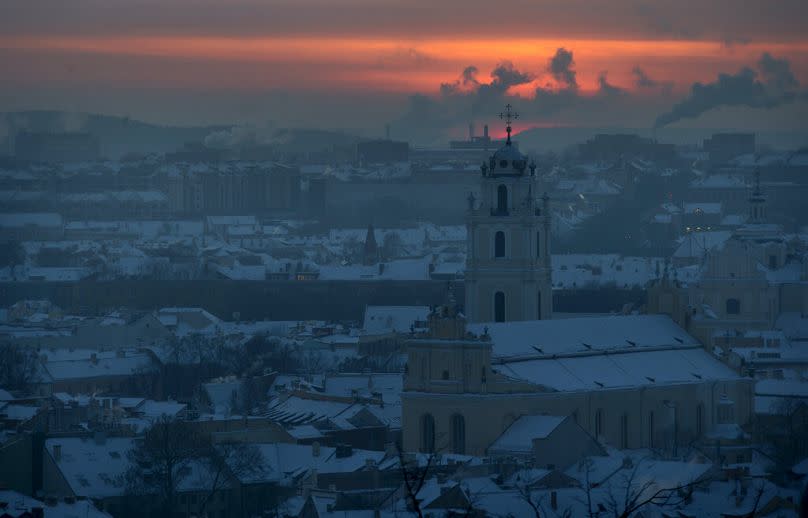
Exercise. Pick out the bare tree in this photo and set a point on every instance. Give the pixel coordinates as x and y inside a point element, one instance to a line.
<point>414,476</point>
<point>536,501</point>
<point>225,461</point>
<point>19,366</point>
<point>160,461</point>
<point>634,494</point>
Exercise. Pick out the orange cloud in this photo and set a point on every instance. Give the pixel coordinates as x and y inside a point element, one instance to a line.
<point>361,63</point>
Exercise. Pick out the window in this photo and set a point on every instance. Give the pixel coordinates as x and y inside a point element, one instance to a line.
<point>598,423</point>
<point>458,434</point>
<point>772,262</point>
<point>624,431</point>
<point>650,429</point>
<point>733,306</point>
<point>499,307</point>
<point>428,434</point>
<point>502,199</point>
<point>499,244</point>
<point>538,245</point>
<point>699,419</point>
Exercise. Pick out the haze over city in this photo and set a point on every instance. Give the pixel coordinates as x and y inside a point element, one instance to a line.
<point>320,259</point>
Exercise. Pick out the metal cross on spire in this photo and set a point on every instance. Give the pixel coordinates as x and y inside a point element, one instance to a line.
<point>508,117</point>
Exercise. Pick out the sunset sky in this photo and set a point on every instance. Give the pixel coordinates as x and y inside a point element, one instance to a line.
<point>365,63</point>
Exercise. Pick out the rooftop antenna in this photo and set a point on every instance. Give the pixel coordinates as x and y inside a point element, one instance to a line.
<point>508,117</point>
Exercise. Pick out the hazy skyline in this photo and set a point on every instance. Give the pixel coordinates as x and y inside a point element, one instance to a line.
<point>362,63</point>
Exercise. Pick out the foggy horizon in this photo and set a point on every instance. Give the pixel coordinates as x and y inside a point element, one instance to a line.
<point>403,258</point>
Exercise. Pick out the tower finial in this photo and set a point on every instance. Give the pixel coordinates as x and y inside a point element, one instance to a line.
<point>508,117</point>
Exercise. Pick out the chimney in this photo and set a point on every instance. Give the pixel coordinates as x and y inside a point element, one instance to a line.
<point>485,131</point>
<point>315,449</point>
<point>471,131</point>
<point>57,452</point>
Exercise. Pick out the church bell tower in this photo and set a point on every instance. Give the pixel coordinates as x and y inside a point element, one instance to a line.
<point>508,263</point>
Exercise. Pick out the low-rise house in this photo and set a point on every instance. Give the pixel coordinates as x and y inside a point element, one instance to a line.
<point>94,372</point>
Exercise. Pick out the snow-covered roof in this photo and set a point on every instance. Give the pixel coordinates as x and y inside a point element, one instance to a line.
<point>14,505</point>
<point>113,363</point>
<point>285,462</point>
<point>512,339</point>
<point>603,371</point>
<point>694,244</point>
<point>592,353</point>
<point>92,469</point>
<point>518,438</point>
<point>793,325</point>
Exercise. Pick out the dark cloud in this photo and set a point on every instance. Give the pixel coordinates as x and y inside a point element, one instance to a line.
<point>777,73</point>
<point>773,86</point>
<point>644,82</point>
<point>467,81</point>
<point>467,97</point>
<point>607,89</point>
<point>561,67</point>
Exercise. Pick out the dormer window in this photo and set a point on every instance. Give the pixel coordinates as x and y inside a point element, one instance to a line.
<point>503,164</point>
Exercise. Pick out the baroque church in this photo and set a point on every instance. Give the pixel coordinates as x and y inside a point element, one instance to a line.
<point>630,381</point>
<point>507,274</point>
<point>745,284</point>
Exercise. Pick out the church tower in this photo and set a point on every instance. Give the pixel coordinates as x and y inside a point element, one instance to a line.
<point>757,202</point>
<point>508,264</point>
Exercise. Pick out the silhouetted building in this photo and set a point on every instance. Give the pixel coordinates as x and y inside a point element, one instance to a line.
<point>370,253</point>
<point>474,142</point>
<point>723,147</point>
<point>56,147</point>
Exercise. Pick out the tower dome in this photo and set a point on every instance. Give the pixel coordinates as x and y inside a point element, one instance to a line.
<point>507,160</point>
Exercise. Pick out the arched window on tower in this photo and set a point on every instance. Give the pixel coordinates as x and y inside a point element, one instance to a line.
<point>499,307</point>
<point>458,434</point>
<point>733,306</point>
<point>427,433</point>
<point>499,244</point>
<point>502,199</point>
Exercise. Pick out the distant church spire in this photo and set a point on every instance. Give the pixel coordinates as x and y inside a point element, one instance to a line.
<point>371,251</point>
<point>757,201</point>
